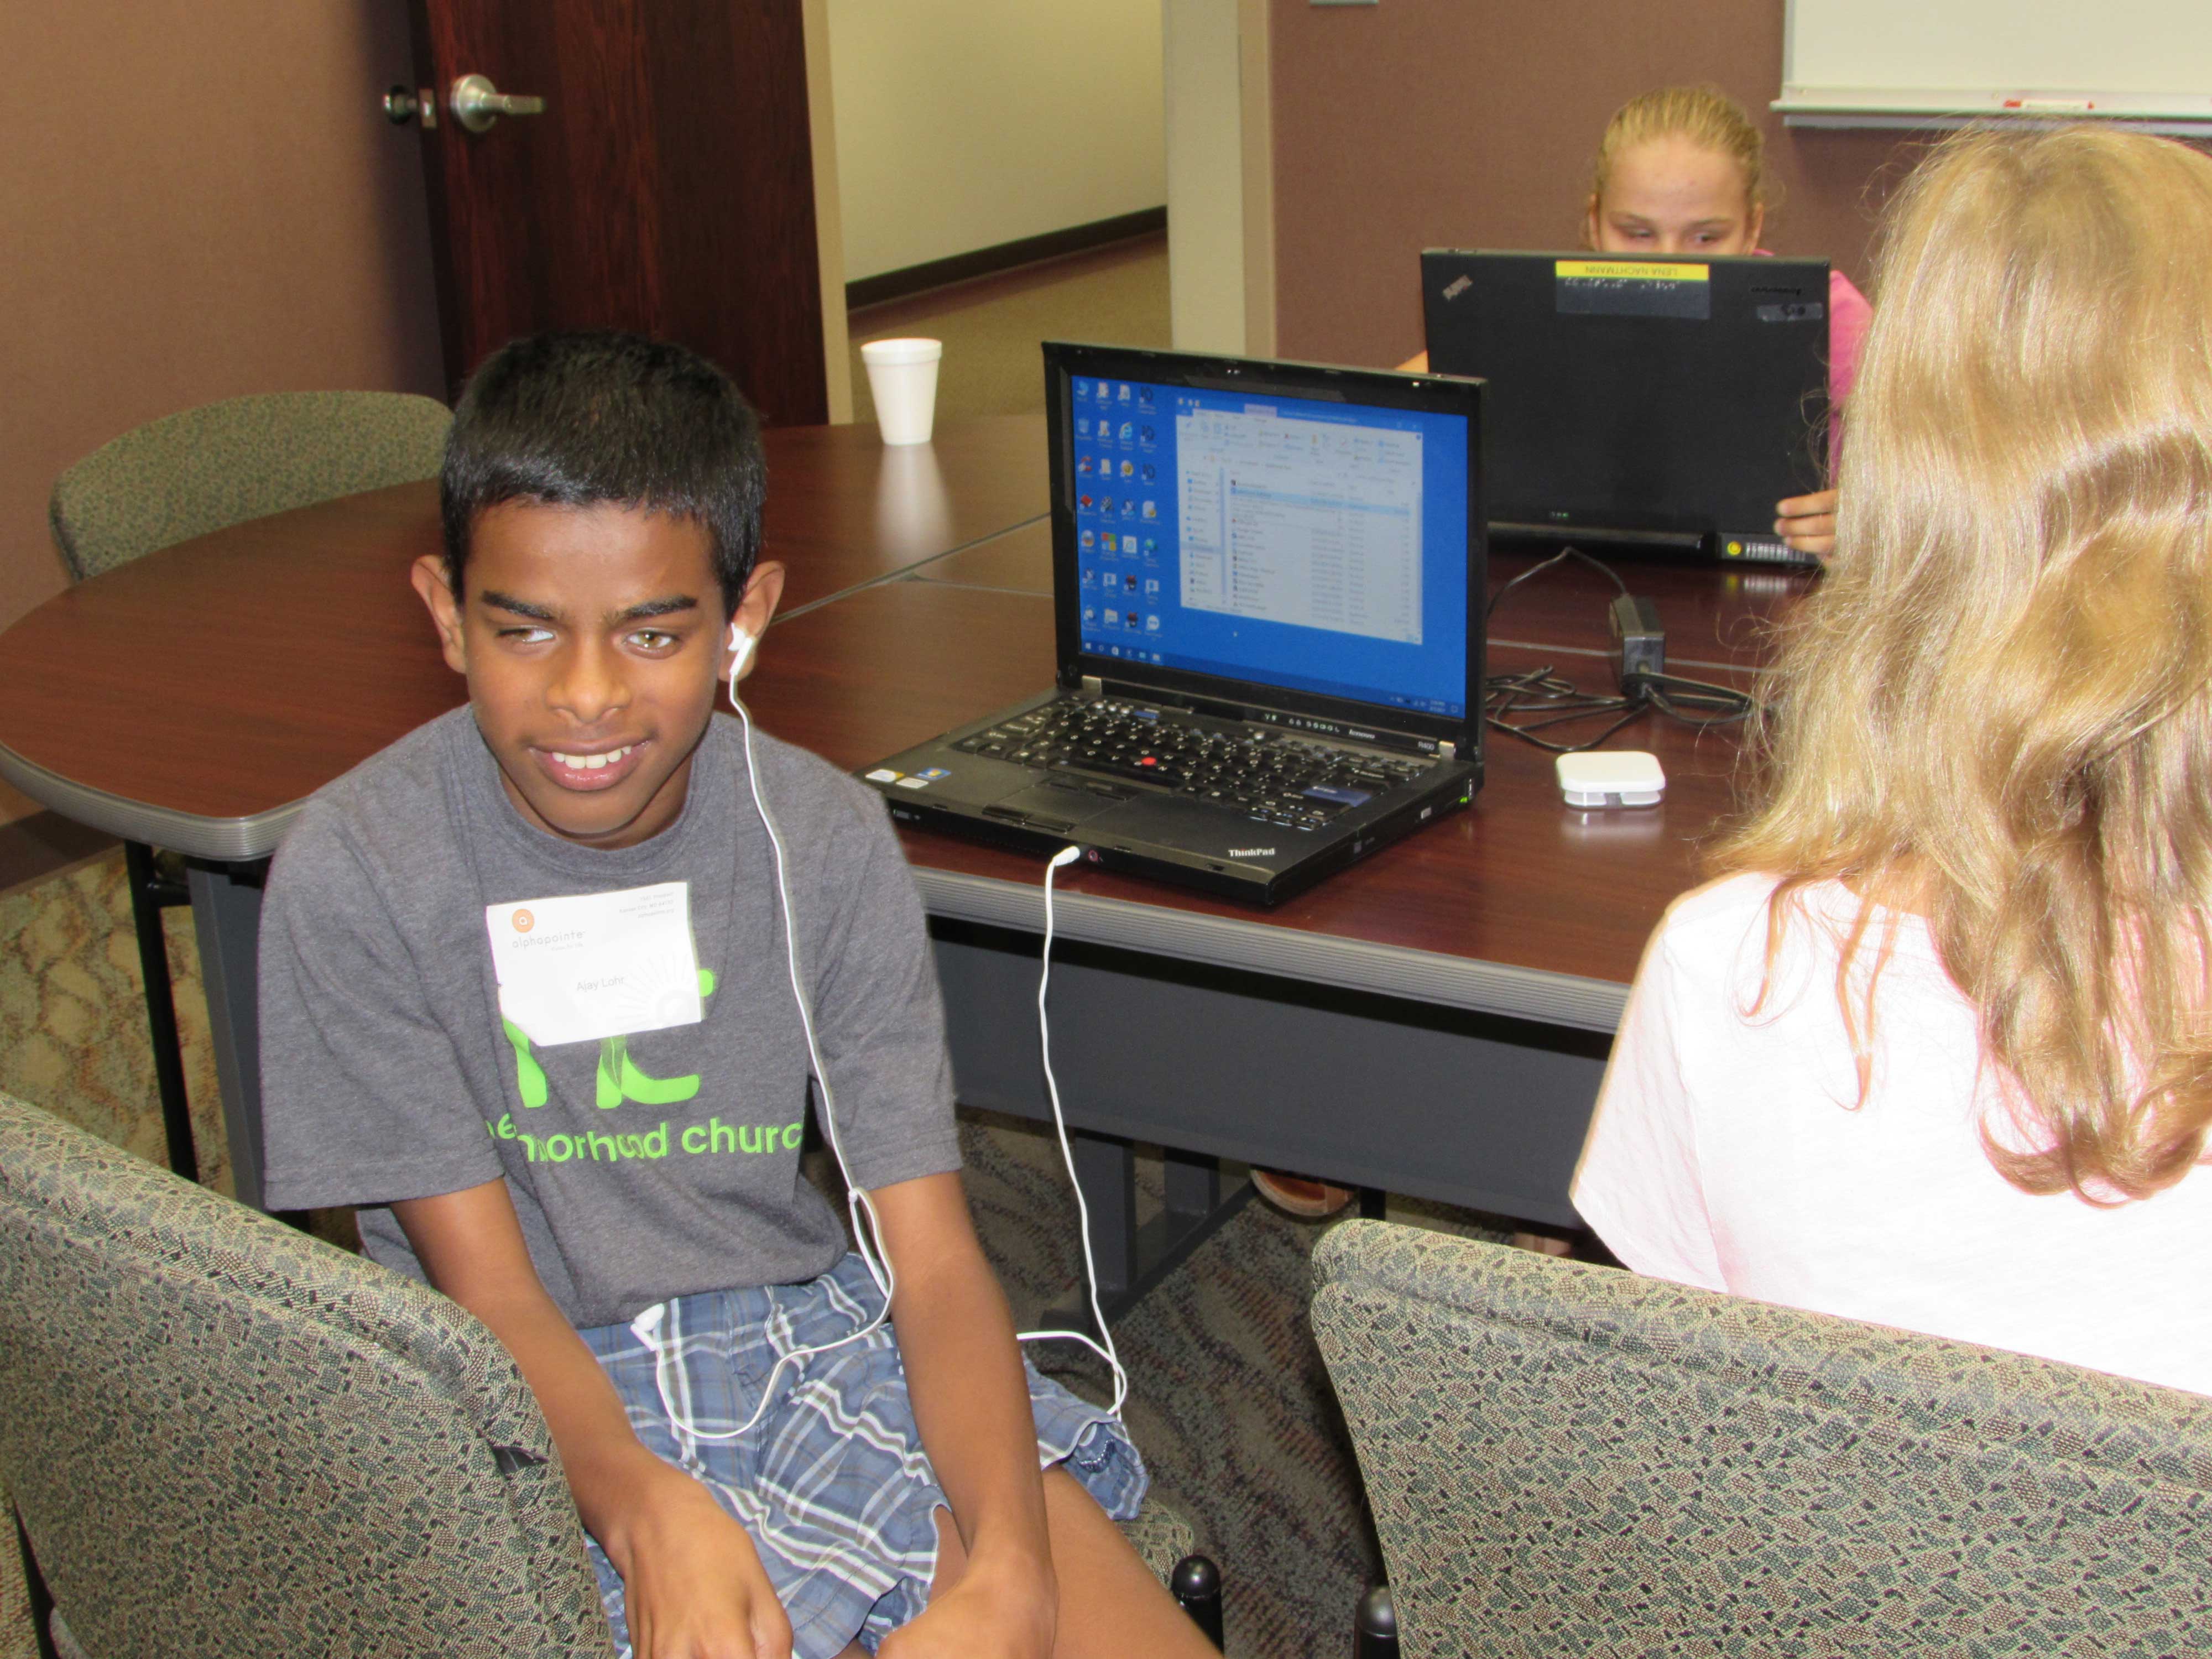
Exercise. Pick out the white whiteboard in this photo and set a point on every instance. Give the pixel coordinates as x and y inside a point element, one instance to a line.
<point>1891,62</point>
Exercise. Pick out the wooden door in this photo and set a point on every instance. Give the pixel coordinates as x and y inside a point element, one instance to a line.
<point>667,188</point>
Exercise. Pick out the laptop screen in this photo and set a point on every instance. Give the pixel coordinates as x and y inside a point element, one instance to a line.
<point>1318,546</point>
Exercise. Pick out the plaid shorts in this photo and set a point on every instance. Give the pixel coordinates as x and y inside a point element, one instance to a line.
<point>832,1483</point>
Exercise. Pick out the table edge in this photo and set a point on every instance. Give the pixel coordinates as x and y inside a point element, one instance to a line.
<point>1490,988</point>
<point>1428,976</point>
<point>233,840</point>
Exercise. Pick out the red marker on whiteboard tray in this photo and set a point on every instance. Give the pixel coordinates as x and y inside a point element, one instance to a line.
<point>2055,105</point>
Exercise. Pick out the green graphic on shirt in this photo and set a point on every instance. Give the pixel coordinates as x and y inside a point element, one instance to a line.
<point>619,1077</point>
<point>529,1075</point>
<point>712,1137</point>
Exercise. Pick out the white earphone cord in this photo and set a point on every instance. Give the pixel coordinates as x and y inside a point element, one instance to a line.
<point>1067,855</point>
<point>868,1239</point>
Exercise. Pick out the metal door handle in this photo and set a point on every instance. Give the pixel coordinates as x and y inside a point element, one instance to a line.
<point>476,103</point>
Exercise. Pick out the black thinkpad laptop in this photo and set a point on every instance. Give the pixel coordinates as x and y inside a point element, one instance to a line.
<point>1267,588</point>
<point>1666,401</point>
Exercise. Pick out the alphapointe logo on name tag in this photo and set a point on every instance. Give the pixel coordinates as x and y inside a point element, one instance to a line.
<point>592,965</point>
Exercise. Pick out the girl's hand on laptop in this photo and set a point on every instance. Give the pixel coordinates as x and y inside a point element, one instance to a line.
<point>1808,523</point>
<point>694,1585</point>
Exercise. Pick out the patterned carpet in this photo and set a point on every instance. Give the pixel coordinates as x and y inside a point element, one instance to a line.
<point>1230,1403</point>
<point>72,1024</point>
<point>1228,1400</point>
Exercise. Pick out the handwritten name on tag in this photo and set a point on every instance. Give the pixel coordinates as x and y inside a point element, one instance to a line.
<point>591,966</point>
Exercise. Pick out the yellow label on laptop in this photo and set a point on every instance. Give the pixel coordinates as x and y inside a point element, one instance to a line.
<point>596,965</point>
<point>1630,270</point>
<point>1631,288</point>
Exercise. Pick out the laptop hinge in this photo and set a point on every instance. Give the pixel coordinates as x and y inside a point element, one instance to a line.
<point>1448,750</point>
<point>1091,685</point>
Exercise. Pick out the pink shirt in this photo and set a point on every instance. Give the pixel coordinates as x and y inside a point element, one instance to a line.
<point>1849,314</point>
<point>1732,1153</point>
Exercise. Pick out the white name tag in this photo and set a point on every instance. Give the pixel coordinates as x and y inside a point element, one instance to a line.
<point>596,964</point>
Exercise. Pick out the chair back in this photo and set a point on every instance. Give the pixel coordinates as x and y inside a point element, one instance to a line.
<point>1565,1459</point>
<point>188,474</point>
<point>225,1437</point>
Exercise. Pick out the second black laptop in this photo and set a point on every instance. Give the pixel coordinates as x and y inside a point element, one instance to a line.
<point>1266,583</point>
<point>1663,400</point>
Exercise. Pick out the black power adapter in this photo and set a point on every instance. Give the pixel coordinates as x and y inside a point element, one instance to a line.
<point>1639,645</point>
<point>1639,666</point>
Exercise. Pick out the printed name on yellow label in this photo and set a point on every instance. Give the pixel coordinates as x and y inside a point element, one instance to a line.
<point>1629,271</point>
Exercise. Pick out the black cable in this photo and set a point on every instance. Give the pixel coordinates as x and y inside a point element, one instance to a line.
<point>1698,704</point>
<point>1665,691</point>
<point>1542,565</point>
<point>1541,691</point>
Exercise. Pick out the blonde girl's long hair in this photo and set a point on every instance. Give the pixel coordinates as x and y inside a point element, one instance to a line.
<point>1997,710</point>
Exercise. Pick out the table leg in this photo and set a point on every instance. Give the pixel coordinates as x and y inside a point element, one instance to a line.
<point>1106,1169</point>
<point>150,894</point>
<point>226,917</point>
<point>1131,1260</point>
<point>1193,1182</point>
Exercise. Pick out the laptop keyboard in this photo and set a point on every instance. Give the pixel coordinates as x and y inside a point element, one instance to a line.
<point>1295,782</point>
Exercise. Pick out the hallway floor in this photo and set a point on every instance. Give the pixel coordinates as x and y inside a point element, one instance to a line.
<point>993,325</point>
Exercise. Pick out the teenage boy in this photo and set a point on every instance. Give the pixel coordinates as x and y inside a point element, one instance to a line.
<point>526,1001</point>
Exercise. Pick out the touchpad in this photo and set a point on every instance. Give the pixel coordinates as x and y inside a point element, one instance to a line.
<point>1058,802</point>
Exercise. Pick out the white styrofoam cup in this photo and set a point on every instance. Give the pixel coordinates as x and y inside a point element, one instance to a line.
<point>903,379</point>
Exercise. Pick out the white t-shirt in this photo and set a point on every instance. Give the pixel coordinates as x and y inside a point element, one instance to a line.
<point>1730,1151</point>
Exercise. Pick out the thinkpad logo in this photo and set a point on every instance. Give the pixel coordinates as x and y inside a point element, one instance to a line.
<point>1251,852</point>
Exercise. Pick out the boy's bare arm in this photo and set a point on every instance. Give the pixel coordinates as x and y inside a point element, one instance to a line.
<point>694,1585</point>
<point>971,1402</point>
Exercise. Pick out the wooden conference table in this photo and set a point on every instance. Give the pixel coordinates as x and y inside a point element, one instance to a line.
<point>1432,1022</point>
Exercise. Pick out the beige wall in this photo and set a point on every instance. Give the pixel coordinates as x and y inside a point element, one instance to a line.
<point>1471,122</point>
<point>1205,175</point>
<point>963,124</point>
<point>201,198</point>
<point>1220,165</point>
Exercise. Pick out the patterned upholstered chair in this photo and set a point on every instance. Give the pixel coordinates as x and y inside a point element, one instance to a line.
<point>1571,1459</point>
<point>224,1436</point>
<point>207,468</point>
<point>204,469</point>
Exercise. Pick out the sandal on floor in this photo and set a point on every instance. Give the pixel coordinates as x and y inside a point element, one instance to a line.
<point>1300,1195</point>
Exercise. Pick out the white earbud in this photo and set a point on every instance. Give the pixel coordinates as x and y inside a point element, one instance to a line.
<point>741,649</point>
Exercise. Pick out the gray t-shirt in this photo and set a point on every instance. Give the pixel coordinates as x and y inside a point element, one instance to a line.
<point>642,1167</point>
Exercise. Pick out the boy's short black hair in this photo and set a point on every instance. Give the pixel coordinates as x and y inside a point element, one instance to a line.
<point>573,420</point>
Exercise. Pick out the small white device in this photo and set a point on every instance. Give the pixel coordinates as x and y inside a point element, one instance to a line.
<point>1620,777</point>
